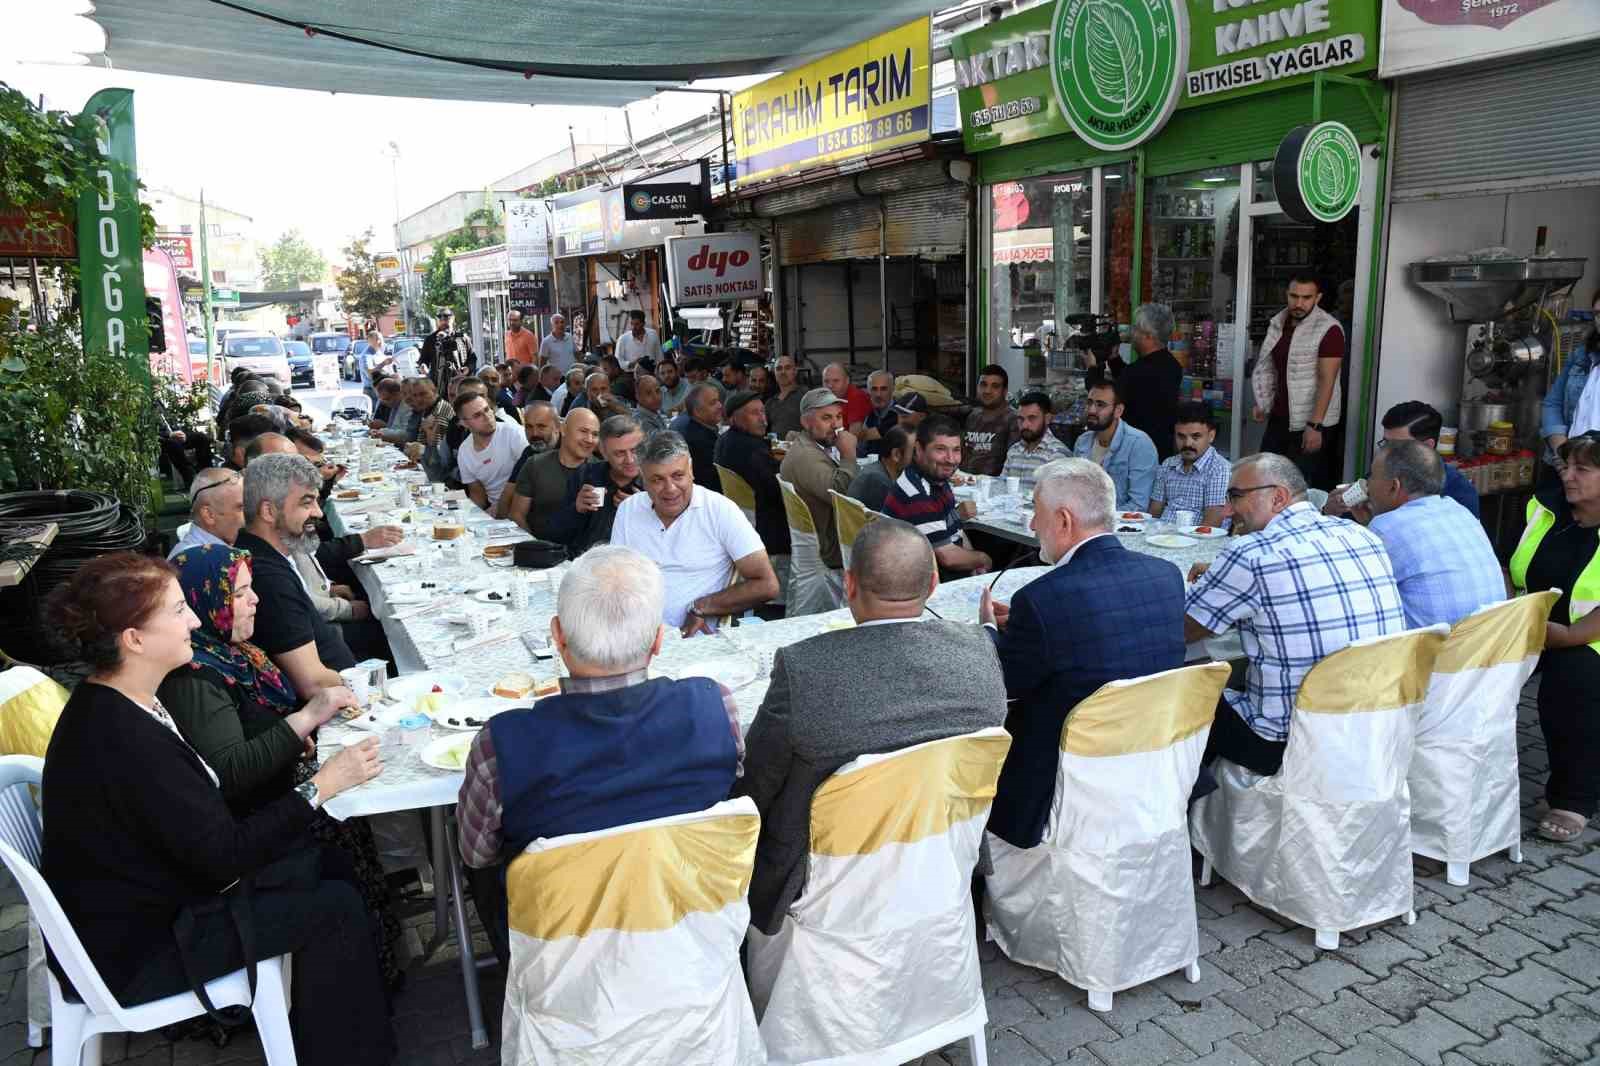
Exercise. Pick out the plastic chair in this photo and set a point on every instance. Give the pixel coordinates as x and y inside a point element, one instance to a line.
<point>877,960</point>
<point>1318,498</point>
<point>77,1026</point>
<point>813,588</point>
<point>852,517</point>
<point>625,943</point>
<point>1326,842</point>
<point>1106,899</point>
<point>1466,797</point>
<point>737,489</point>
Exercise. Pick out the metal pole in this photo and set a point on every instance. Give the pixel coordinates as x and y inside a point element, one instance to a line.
<point>722,119</point>
<point>1135,292</point>
<point>850,305</point>
<point>38,292</point>
<point>205,281</point>
<point>883,283</point>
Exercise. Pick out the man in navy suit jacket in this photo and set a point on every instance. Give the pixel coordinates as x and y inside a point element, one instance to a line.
<point>1104,613</point>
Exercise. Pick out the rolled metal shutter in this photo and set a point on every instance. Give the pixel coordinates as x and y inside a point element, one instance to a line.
<point>842,231</point>
<point>931,223</point>
<point>1524,124</point>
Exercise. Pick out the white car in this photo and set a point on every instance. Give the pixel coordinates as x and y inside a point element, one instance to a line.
<point>261,353</point>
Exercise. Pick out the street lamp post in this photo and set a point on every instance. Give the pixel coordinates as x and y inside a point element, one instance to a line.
<point>405,270</point>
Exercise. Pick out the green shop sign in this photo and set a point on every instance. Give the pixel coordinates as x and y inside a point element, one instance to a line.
<point>1316,173</point>
<point>1117,68</point>
<point>1010,72</point>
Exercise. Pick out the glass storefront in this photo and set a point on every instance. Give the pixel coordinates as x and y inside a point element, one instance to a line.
<point>1042,247</point>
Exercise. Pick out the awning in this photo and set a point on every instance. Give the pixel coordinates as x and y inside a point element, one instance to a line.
<point>511,51</point>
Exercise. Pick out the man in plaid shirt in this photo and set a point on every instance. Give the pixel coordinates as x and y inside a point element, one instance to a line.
<point>1196,479</point>
<point>1298,585</point>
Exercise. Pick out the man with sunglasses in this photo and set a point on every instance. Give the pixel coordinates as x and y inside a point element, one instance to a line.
<point>1298,585</point>
<point>216,509</point>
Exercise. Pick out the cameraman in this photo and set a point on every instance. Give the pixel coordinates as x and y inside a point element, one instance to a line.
<point>1150,386</point>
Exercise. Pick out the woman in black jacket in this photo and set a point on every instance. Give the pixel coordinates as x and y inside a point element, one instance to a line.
<point>137,832</point>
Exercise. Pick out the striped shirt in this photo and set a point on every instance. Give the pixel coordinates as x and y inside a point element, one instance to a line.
<point>1023,461</point>
<point>927,504</point>
<point>1297,591</point>
<point>1193,490</point>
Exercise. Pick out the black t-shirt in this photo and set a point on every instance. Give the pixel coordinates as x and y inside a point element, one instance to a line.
<point>286,618</point>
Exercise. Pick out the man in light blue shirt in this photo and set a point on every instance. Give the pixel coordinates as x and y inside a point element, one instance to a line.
<point>216,509</point>
<point>1442,559</point>
<point>1125,453</point>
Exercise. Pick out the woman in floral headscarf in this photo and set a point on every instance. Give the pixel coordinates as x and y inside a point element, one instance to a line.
<point>242,716</point>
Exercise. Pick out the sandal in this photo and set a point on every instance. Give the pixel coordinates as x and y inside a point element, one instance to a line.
<point>1563,827</point>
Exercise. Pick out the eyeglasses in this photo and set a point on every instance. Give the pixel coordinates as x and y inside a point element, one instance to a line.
<point>234,480</point>
<point>1235,495</point>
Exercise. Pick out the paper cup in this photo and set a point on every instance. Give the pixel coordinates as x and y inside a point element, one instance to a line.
<point>1013,485</point>
<point>358,679</point>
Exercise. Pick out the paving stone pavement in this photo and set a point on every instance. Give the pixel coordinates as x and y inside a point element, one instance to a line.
<point>1503,973</point>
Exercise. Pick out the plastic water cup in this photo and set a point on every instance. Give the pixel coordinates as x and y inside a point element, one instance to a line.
<point>481,624</point>
<point>1013,486</point>
<point>1184,519</point>
<point>358,679</point>
<point>520,594</point>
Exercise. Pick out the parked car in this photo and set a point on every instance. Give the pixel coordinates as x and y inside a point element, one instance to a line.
<point>260,353</point>
<point>333,344</point>
<point>355,359</point>
<point>300,371</point>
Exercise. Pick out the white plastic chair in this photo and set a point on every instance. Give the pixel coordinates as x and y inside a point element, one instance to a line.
<point>1326,841</point>
<point>625,944</point>
<point>1106,899</point>
<point>183,530</point>
<point>877,960</point>
<point>1466,795</point>
<point>78,1027</point>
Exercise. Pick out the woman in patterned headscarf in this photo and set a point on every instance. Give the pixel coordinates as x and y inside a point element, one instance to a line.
<point>241,715</point>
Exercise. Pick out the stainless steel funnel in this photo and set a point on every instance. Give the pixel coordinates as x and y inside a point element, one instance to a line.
<point>1482,290</point>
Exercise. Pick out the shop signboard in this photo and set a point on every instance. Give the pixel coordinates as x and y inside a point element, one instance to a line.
<point>713,268</point>
<point>676,193</point>
<point>870,97</point>
<point>531,296</point>
<point>387,266</point>
<point>325,372</point>
<point>1423,35</point>
<point>178,245</point>
<point>110,249</point>
<point>527,239</point>
<point>1117,69</point>
<point>1316,173</point>
<point>44,235</point>
<point>1008,71</point>
<point>578,223</point>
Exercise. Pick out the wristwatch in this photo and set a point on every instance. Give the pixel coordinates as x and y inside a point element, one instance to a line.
<point>308,792</point>
<point>1318,426</point>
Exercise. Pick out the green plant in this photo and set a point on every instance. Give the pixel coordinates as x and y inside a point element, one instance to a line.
<point>363,293</point>
<point>479,229</point>
<point>47,160</point>
<point>290,261</point>
<point>73,419</point>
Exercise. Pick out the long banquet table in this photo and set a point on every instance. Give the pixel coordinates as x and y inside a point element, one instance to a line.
<point>424,640</point>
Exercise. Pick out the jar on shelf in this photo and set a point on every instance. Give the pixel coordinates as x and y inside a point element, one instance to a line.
<point>1525,468</point>
<point>1501,435</point>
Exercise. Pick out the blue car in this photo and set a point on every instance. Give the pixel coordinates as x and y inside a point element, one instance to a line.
<point>299,353</point>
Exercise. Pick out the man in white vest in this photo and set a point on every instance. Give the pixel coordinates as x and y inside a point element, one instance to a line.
<point>1296,383</point>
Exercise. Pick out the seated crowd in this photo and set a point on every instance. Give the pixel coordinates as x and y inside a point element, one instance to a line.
<point>215,666</point>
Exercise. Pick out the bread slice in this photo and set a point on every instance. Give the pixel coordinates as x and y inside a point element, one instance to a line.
<point>550,686</point>
<point>515,685</point>
<point>447,530</point>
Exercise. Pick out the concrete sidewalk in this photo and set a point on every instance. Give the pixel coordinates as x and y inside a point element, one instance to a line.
<point>1503,972</point>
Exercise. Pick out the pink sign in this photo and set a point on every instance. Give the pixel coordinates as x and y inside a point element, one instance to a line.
<point>161,285</point>
<point>1494,14</point>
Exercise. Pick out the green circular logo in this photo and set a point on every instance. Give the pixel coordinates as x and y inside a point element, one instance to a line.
<point>1118,67</point>
<point>1328,171</point>
<point>1316,172</point>
<point>640,201</point>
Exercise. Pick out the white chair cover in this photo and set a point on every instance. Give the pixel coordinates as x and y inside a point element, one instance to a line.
<point>737,489</point>
<point>813,588</point>
<point>851,516</point>
<point>877,960</point>
<point>625,945</point>
<point>1466,796</point>
<point>1326,842</point>
<point>1106,899</point>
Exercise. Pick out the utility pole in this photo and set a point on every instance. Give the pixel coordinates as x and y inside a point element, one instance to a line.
<point>205,280</point>
<point>405,268</point>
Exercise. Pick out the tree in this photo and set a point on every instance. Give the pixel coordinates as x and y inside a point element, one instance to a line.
<point>479,230</point>
<point>364,294</point>
<point>291,261</point>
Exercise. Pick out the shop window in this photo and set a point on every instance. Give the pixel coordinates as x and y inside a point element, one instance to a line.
<point>1192,239</point>
<point>1041,244</point>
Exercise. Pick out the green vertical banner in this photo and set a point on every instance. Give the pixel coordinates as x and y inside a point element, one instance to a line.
<point>110,256</point>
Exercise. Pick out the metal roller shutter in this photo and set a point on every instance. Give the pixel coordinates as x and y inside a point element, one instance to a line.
<point>1523,124</point>
<point>843,231</point>
<point>931,223</point>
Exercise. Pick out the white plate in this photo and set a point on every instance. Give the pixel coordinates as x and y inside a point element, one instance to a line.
<point>464,616</point>
<point>407,689</point>
<point>479,709</point>
<point>497,597</point>
<point>447,753</point>
<point>377,719</point>
<point>1169,540</point>
<point>732,672</point>
<point>1203,532</point>
<point>406,593</point>
<point>1132,516</point>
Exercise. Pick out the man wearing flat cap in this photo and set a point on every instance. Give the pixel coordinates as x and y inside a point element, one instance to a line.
<point>744,450</point>
<point>822,456</point>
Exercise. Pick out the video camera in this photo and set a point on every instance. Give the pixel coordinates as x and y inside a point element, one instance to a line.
<point>1094,334</point>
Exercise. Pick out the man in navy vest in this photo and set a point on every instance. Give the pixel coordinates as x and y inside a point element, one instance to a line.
<point>614,747</point>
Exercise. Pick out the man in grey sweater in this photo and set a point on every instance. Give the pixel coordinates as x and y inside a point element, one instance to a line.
<point>843,694</point>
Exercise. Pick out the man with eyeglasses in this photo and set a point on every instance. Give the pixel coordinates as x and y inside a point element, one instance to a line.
<point>1412,420</point>
<point>216,509</point>
<point>1121,450</point>
<point>1298,585</point>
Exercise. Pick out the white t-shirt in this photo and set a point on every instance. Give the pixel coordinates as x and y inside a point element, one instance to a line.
<point>696,553</point>
<point>492,466</point>
<point>630,350</point>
